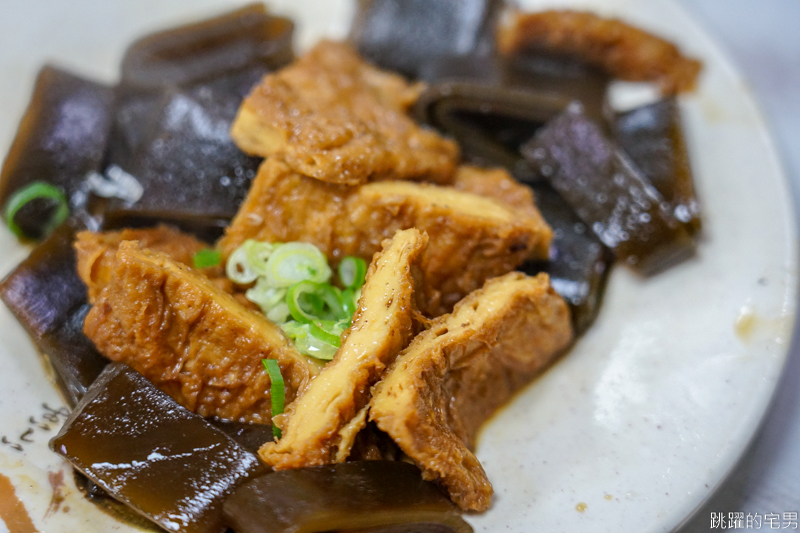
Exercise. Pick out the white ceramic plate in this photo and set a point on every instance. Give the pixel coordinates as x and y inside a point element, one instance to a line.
<point>634,428</point>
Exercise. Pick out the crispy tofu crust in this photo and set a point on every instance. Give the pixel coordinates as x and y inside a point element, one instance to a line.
<point>497,183</point>
<point>191,339</point>
<point>452,377</point>
<point>472,238</point>
<point>332,116</point>
<point>623,51</point>
<point>330,412</point>
<point>97,254</point>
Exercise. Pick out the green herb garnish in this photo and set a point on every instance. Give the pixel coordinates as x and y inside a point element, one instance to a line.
<point>36,191</point>
<point>207,258</point>
<point>276,391</point>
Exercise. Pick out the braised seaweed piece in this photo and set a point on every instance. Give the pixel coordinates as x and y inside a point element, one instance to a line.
<point>100,498</point>
<point>49,299</point>
<point>356,495</point>
<point>489,122</point>
<point>61,138</point>
<point>652,136</point>
<point>176,144</point>
<point>189,54</point>
<point>561,76</point>
<point>405,35</point>
<point>579,263</point>
<point>206,229</point>
<point>148,452</point>
<point>248,436</point>
<point>608,193</point>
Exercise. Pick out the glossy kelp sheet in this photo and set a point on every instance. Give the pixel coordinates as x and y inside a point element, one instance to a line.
<point>61,140</point>
<point>579,262</point>
<point>406,35</point>
<point>146,451</point>
<point>358,495</point>
<point>652,135</point>
<point>609,194</point>
<point>196,52</point>
<point>49,299</point>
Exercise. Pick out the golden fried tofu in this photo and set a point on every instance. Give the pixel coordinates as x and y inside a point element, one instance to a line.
<point>97,253</point>
<point>623,51</point>
<point>191,339</point>
<point>327,416</point>
<point>472,238</point>
<point>332,116</point>
<point>496,183</point>
<point>453,376</point>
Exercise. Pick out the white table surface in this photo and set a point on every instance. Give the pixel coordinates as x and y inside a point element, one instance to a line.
<point>763,39</point>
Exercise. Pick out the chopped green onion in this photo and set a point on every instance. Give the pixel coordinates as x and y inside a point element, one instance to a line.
<point>35,191</point>
<point>271,300</point>
<point>238,268</point>
<point>207,258</point>
<point>294,262</point>
<point>280,313</point>
<point>316,329</point>
<point>294,298</point>
<point>349,302</point>
<point>306,343</point>
<point>323,299</point>
<point>277,391</point>
<point>352,272</point>
<point>258,254</point>
<point>332,297</point>
<point>292,289</point>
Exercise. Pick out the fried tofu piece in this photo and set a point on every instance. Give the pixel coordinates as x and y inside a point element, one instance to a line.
<point>325,419</point>
<point>472,238</point>
<point>97,253</point>
<point>453,376</point>
<point>191,339</point>
<point>496,183</point>
<point>623,51</point>
<point>332,116</point>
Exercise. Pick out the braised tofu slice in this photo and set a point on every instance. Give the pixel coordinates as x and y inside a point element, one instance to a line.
<point>472,238</point>
<point>332,116</point>
<point>97,252</point>
<point>191,339</point>
<point>621,50</point>
<point>324,421</point>
<point>453,376</point>
<point>498,184</point>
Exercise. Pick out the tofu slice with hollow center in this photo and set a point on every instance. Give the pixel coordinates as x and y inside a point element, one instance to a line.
<point>472,238</point>
<point>332,116</point>
<point>453,376</point>
<point>191,339</point>
<point>327,416</point>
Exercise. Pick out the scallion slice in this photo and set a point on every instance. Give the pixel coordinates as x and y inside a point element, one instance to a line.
<point>258,254</point>
<point>318,330</point>
<point>349,302</point>
<point>207,258</point>
<point>352,272</point>
<point>35,191</point>
<point>294,262</point>
<point>238,268</point>
<point>277,391</point>
<point>306,343</point>
<point>297,295</point>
